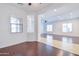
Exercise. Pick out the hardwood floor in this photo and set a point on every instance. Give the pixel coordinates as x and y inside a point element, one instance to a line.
<point>61,37</point>
<point>33,49</point>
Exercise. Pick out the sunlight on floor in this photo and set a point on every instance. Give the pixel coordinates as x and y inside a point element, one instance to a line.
<point>65,44</point>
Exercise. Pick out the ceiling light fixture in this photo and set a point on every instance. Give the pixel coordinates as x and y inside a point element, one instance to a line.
<point>55,10</point>
<point>45,21</point>
<point>29,4</point>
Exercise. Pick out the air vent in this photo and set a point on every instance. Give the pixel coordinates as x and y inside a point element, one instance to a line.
<point>21,4</point>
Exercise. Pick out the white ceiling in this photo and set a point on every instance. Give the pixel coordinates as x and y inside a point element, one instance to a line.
<point>35,8</point>
<point>51,11</point>
<point>64,12</point>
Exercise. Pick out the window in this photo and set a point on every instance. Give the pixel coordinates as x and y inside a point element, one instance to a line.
<point>67,27</point>
<point>15,24</point>
<point>49,27</point>
<point>30,23</point>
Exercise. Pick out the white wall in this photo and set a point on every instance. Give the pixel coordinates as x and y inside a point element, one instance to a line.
<point>6,37</point>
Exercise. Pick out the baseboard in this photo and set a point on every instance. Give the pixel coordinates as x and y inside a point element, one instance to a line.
<point>8,45</point>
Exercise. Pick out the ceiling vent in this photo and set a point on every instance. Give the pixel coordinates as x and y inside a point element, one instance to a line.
<point>21,4</point>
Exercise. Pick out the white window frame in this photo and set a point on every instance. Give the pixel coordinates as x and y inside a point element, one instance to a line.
<point>16,26</point>
<point>49,27</point>
<point>67,27</point>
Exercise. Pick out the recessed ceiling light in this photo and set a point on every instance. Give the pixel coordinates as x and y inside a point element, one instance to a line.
<point>55,10</point>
